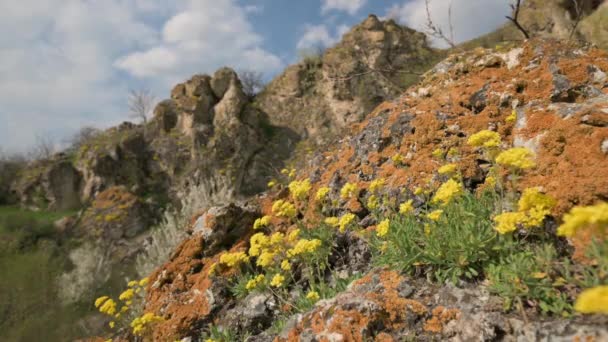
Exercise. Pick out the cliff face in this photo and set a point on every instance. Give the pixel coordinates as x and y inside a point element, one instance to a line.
<point>546,96</point>
<point>324,94</point>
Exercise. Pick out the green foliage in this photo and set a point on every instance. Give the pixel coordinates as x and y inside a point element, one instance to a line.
<point>530,276</point>
<point>220,334</point>
<point>459,245</point>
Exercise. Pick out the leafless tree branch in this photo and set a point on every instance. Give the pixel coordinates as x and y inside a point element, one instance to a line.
<point>436,31</point>
<point>252,82</point>
<point>514,19</point>
<point>141,103</point>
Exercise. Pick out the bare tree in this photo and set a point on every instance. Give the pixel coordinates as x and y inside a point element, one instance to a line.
<point>141,103</point>
<point>514,19</point>
<point>44,148</point>
<point>81,137</point>
<point>577,19</point>
<point>252,82</point>
<point>436,31</point>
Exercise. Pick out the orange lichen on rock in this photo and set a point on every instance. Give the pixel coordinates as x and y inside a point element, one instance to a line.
<point>441,316</point>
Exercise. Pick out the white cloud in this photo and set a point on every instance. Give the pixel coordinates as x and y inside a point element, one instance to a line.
<point>320,36</point>
<point>204,36</point>
<point>349,6</point>
<point>470,18</point>
<point>68,63</point>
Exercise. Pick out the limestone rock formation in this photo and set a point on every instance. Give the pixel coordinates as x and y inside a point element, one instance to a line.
<point>373,62</point>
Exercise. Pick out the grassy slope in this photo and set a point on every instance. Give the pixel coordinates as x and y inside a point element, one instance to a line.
<point>30,260</point>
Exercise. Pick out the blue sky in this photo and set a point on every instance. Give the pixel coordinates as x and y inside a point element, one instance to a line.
<point>65,64</point>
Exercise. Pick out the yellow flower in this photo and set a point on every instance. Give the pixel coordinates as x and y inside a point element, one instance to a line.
<point>406,207</point>
<point>233,259</point>
<point>485,138</point>
<point>132,283</point>
<point>507,222</point>
<point>447,169</point>
<point>447,191</point>
<point>126,295</point>
<point>140,324</point>
<point>263,221</point>
<point>272,183</point>
<point>112,324</point>
<point>285,171</point>
<point>372,202</point>
<point>265,259</point>
<point>418,191</point>
<point>322,193</point>
<point>516,158</point>
<point>100,300</point>
<point>299,189</point>
<point>255,282</point>
<point>283,208</point>
<point>108,307</point>
<point>276,238</point>
<point>210,340</point>
<point>345,221</point>
<point>382,228</point>
<point>533,198</point>
<point>285,265</point>
<point>427,229</point>
<point>376,185</point>
<point>434,215</point>
<point>293,235</point>
<point>348,190</point>
<point>490,181</point>
<point>398,159</point>
<point>277,280</point>
<point>512,117</point>
<point>452,152</point>
<point>292,173</point>
<point>313,296</point>
<point>437,153</point>
<point>304,246</point>
<point>212,268</point>
<point>594,300</point>
<point>581,217</point>
<point>257,243</point>
<point>332,221</point>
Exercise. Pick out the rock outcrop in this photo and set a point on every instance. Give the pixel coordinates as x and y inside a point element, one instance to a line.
<point>323,94</point>
<point>541,95</point>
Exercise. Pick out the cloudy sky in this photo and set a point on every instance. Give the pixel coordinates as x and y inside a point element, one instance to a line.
<point>65,64</point>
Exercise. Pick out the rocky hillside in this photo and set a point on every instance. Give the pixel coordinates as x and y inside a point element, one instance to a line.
<point>439,217</point>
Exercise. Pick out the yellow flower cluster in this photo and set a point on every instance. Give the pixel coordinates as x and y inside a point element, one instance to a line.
<point>233,259</point>
<point>285,265</point>
<point>406,207</point>
<point>141,324</point>
<point>594,300</point>
<point>382,228</point>
<point>289,172</point>
<point>272,183</point>
<point>304,246</point>
<point>299,189</point>
<point>437,153</point>
<point>277,280</point>
<point>490,181</point>
<point>263,221</point>
<point>322,193</point>
<point>313,296</point>
<point>332,221</point>
<point>435,215</point>
<point>284,208</point>
<point>533,207</point>
<point>106,305</point>
<point>398,159</point>
<point>376,185</point>
<point>127,295</point>
<point>581,217</point>
<point>255,282</point>
<point>372,202</point>
<point>485,138</point>
<point>507,222</point>
<point>349,190</point>
<point>512,117</point>
<point>516,158</point>
<point>447,191</point>
<point>448,169</point>
<point>345,221</point>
